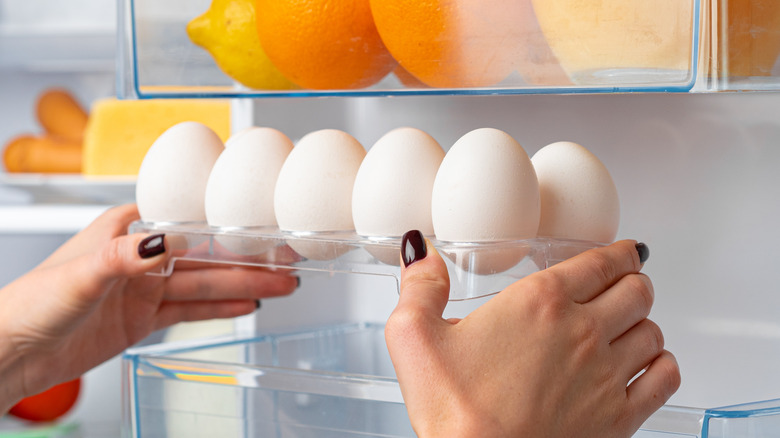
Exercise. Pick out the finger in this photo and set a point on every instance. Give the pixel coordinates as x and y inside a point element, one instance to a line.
<point>425,282</point>
<point>170,313</point>
<point>118,218</point>
<point>638,347</point>
<point>654,387</point>
<point>586,275</point>
<point>111,223</point>
<point>120,258</point>
<point>623,305</point>
<point>227,283</point>
<point>81,283</point>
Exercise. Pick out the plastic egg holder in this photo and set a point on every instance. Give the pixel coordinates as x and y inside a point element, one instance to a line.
<point>470,264</point>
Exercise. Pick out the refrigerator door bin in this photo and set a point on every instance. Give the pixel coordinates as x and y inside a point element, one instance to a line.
<point>515,47</point>
<point>332,381</point>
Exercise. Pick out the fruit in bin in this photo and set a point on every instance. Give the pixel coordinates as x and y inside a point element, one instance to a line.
<point>42,154</point>
<point>451,43</point>
<point>753,37</point>
<point>466,43</point>
<point>227,30</point>
<point>61,115</point>
<point>50,404</point>
<point>323,44</point>
<point>407,79</point>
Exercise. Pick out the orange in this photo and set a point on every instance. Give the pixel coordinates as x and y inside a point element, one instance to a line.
<point>323,44</point>
<point>452,43</point>
<point>467,43</point>
<point>407,79</point>
<point>753,36</point>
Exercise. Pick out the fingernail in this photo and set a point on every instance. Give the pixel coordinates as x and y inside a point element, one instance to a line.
<point>152,246</point>
<point>644,252</point>
<point>413,247</point>
<point>258,304</point>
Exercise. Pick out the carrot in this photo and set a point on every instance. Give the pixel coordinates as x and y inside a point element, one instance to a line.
<point>42,154</point>
<point>61,115</point>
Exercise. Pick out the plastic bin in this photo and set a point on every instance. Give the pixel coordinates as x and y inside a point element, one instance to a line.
<point>335,381</point>
<point>640,47</point>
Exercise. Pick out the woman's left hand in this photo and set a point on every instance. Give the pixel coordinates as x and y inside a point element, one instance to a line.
<point>91,299</point>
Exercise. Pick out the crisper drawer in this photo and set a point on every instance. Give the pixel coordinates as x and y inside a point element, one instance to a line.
<point>189,48</point>
<point>334,381</point>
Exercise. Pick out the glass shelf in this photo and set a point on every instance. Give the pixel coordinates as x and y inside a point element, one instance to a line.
<point>476,269</point>
<point>331,381</point>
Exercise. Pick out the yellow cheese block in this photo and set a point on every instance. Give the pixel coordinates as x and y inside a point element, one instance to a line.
<point>120,132</point>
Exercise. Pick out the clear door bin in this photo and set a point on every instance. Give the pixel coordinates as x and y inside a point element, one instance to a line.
<point>464,47</point>
<point>745,44</point>
<point>476,269</point>
<point>330,382</point>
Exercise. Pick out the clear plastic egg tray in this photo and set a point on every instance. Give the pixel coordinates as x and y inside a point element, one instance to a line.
<point>475,269</point>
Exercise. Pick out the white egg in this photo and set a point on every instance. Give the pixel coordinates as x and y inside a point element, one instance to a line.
<point>485,190</point>
<point>394,184</point>
<point>314,189</point>
<point>171,183</point>
<point>579,197</point>
<point>240,190</point>
<point>393,187</point>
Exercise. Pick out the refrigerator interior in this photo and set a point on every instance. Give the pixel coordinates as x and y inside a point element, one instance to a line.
<point>696,175</point>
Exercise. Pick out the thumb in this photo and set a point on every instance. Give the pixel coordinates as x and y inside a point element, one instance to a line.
<point>425,282</point>
<point>121,257</point>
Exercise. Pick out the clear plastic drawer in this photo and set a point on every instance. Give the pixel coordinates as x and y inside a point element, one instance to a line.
<point>333,381</point>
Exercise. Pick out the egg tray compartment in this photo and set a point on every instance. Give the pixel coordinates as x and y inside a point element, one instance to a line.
<point>475,269</point>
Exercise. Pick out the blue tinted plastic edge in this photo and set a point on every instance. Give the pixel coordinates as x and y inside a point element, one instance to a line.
<point>680,88</point>
<point>736,412</point>
<point>136,403</point>
<point>134,51</point>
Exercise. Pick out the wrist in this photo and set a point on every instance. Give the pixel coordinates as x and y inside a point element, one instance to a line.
<point>11,389</point>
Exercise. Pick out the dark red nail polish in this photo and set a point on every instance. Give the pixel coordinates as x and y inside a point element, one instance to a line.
<point>644,252</point>
<point>413,247</point>
<point>152,246</point>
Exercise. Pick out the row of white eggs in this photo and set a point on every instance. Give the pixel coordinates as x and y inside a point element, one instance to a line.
<point>485,188</point>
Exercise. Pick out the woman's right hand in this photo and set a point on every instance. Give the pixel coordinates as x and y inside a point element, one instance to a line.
<point>555,354</point>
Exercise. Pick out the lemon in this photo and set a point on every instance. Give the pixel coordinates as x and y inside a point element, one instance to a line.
<point>227,30</point>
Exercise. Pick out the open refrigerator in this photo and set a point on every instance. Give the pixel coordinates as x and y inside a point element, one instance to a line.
<point>692,147</point>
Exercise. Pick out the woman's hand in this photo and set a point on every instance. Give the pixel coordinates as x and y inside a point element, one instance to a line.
<point>553,355</point>
<point>91,299</point>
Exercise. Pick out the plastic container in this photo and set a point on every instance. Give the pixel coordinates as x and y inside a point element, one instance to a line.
<point>335,381</point>
<point>158,58</point>
<point>476,269</point>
